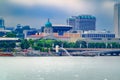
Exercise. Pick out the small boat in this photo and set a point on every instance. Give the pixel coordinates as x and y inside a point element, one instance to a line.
<point>5,54</point>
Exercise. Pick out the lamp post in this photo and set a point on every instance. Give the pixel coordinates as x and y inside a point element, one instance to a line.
<point>87,44</point>
<point>62,45</point>
<point>106,44</point>
<point>80,45</point>
<point>57,49</point>
<point>111,45</point>
<point>53,45</point>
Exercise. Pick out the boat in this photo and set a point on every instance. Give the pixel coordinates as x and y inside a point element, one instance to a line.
<point>6,54</point>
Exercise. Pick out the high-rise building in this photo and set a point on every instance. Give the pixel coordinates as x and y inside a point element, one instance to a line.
<point>82,22</point>
<point>2,26</point>
<point>117,20</point>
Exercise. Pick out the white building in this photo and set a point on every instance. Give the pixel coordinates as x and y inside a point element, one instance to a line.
<point>117,20</point>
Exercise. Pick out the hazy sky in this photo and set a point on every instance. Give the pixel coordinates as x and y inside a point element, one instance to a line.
<point>36,12</point>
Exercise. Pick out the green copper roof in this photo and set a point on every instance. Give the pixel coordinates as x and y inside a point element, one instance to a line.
<point>71,19</point>
<point>86,17</point>
<point>48,24</point>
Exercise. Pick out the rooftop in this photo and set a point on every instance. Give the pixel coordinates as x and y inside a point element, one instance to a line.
<point>86,17</point>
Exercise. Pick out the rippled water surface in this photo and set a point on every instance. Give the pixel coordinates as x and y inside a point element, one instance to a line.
<point>59,68</point>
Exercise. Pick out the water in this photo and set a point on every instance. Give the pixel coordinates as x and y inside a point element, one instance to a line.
<point>66,51</point>
<point>59,68</point>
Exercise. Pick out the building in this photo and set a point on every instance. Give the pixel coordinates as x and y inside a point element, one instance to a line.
<point>3,39</point>
<point>98,35</point>
<point>57,32</point>
<point>9,28</point>
<point>82,22</point>
<point>48,30</point>
<point>60,29</point>
<point>2,26</point>
<point>117,20</point>
<point>72,22</point>
<point>3,32</point>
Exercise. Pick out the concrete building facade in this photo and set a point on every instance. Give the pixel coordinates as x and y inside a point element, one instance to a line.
<point>117,20</point>
<point>82,22</point>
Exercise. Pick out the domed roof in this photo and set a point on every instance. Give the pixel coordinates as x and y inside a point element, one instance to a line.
<point>48,24</point>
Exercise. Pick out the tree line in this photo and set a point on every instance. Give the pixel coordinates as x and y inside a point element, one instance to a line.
<point>45,45</point>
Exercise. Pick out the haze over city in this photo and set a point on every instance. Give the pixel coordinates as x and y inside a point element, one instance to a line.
<point>36,12</point>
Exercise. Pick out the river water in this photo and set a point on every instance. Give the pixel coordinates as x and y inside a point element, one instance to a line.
<point>59,68</point>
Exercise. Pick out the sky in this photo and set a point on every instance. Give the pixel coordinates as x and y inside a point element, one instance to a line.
<point>36,12</point>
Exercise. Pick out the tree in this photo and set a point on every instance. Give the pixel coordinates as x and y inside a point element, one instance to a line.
<point>82,43</point>
<point>7,46</point>
<point>48,43</point>
<point>10,34</point>
<point>31,42</point>
<point>71,44</point>
<point>58,42</point>
<point>115,45</point>
<point>25,44</point>
<point>91,45</point>
<point>65,44</point>
<point>109,45</point>
<point>12,44</point>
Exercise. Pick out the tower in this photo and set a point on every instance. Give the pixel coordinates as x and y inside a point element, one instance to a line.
<point>48,30</point>
<point>117,20</point>
<point>2,26</point>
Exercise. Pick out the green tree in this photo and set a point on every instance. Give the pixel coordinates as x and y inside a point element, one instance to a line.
<point>109,45</point>
<point>91,45</point>
<point>10,34</point>
<point>7,46</point>
<point>31,42</point>
<point>71,44</point>
<point>48,43</point>
<point>81,44</point>
<point>115,45</point>
<point>65,44</point>
<point>58,42</point>
<point>25,44</point>
<point>12,44</point>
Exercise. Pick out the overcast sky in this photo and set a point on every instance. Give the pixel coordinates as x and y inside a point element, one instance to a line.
<point>36,12</point>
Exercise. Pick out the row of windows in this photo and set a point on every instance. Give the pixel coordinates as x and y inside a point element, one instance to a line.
<point>98,35</point>
<point>86,28</point>
<point>31,32</point>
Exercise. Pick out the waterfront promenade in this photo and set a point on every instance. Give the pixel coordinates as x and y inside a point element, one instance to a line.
<point>91,49</point>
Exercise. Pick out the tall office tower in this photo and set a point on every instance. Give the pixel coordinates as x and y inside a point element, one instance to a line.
<point>117,20</point>
<point>71,21</point>
<point>2,26</point>
<point>82,22</point>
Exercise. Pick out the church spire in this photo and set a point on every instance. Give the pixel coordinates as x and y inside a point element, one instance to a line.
<point>48,20</point>
<point>48,23</point>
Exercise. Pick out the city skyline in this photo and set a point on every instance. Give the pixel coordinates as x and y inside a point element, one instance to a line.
<point>35,13</point>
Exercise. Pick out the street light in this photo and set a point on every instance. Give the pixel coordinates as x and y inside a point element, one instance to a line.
<point>87,45</point>
<point>106,45</point>
<point>80,45</point>
<point>53,45</point>
<point>111,45</point>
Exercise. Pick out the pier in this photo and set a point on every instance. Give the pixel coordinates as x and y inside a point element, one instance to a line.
<point>93,51</point>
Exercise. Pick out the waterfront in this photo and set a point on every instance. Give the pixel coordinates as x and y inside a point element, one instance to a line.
<point>59,68</point>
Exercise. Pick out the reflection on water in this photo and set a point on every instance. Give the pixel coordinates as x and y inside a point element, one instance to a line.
<point>59,68</point>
